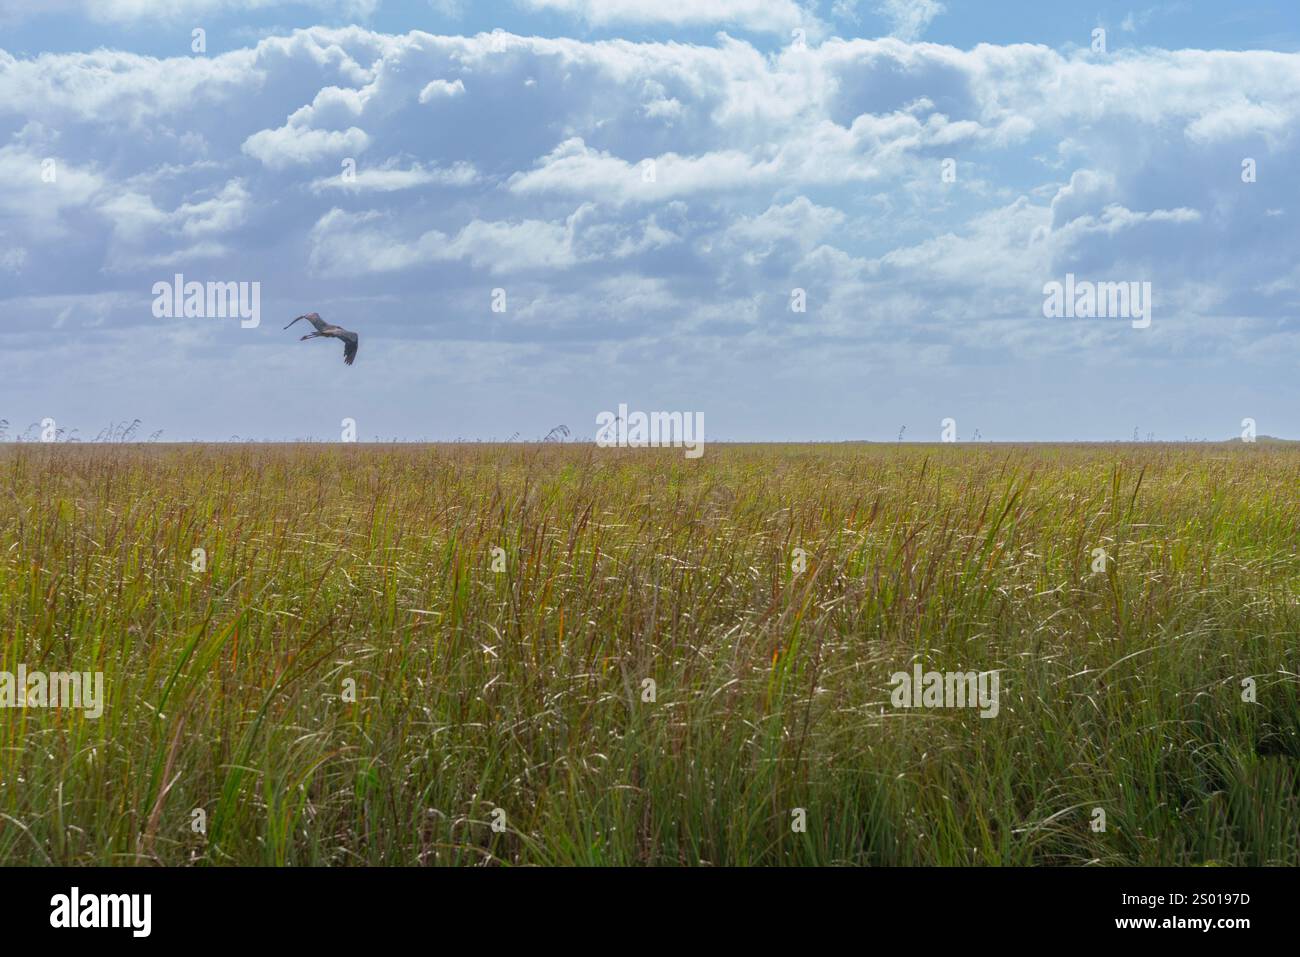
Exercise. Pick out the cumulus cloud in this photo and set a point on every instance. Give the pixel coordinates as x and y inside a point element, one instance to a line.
<point>575,168</point>
<point>46,188</point>
<point>124,11</point>
<point>359,243</point>
<point>777,16</point>
<point>799,223</point>
<point>294,146</point>
<point>220,213</point>
<point>369,242</point>
<point>638,191</point>
<point>441,90</point>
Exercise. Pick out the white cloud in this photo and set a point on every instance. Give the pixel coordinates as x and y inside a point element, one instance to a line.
<point>1235,121</point>
<point>909,18</point>
<point>441,90</point>
<point>775,16</point>
<point>217,214</point>
<point>1086,190</point>
<point>389,177</point>
<point>359,243</point>
<point>799,223</point>
<point>816,168</point>
<point>369,242</point>
<point>118,88</point>
<point>133,216</point>
<point>41,201</point>
<point>807,153</point>
<point>576,169</point>
<point>125,11</point>
<point>143,234</point>
<point>1116,218</point>
<point>293,146</point>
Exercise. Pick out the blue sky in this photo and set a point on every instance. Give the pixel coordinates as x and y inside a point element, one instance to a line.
<point>794,146</point>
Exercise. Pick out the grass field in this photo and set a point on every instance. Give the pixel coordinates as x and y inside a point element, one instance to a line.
<point>231,733</point>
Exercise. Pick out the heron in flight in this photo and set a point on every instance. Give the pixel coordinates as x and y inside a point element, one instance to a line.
<point>323,328</point>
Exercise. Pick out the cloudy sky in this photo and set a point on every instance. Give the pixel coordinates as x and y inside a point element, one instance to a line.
<point>648,182</point>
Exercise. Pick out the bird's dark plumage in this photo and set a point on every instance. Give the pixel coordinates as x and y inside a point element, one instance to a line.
<point>323,328</point>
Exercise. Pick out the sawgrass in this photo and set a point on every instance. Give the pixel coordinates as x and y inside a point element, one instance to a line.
<point>328,568</point>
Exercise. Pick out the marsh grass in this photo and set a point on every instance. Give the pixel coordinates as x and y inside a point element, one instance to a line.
<point>522,690</point>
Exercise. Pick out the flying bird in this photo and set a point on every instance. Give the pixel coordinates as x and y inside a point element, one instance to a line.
<point>323,328</point>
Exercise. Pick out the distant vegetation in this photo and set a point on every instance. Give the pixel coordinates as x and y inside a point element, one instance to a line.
<point>646,671</point>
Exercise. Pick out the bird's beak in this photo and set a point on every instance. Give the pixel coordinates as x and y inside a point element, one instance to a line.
<point>295,320</point>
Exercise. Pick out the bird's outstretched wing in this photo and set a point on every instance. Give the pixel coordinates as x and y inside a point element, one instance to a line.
<point>350,342</point>
<point>314,319</point>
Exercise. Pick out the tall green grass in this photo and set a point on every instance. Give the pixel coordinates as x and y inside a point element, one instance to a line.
<point>372,567</point>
